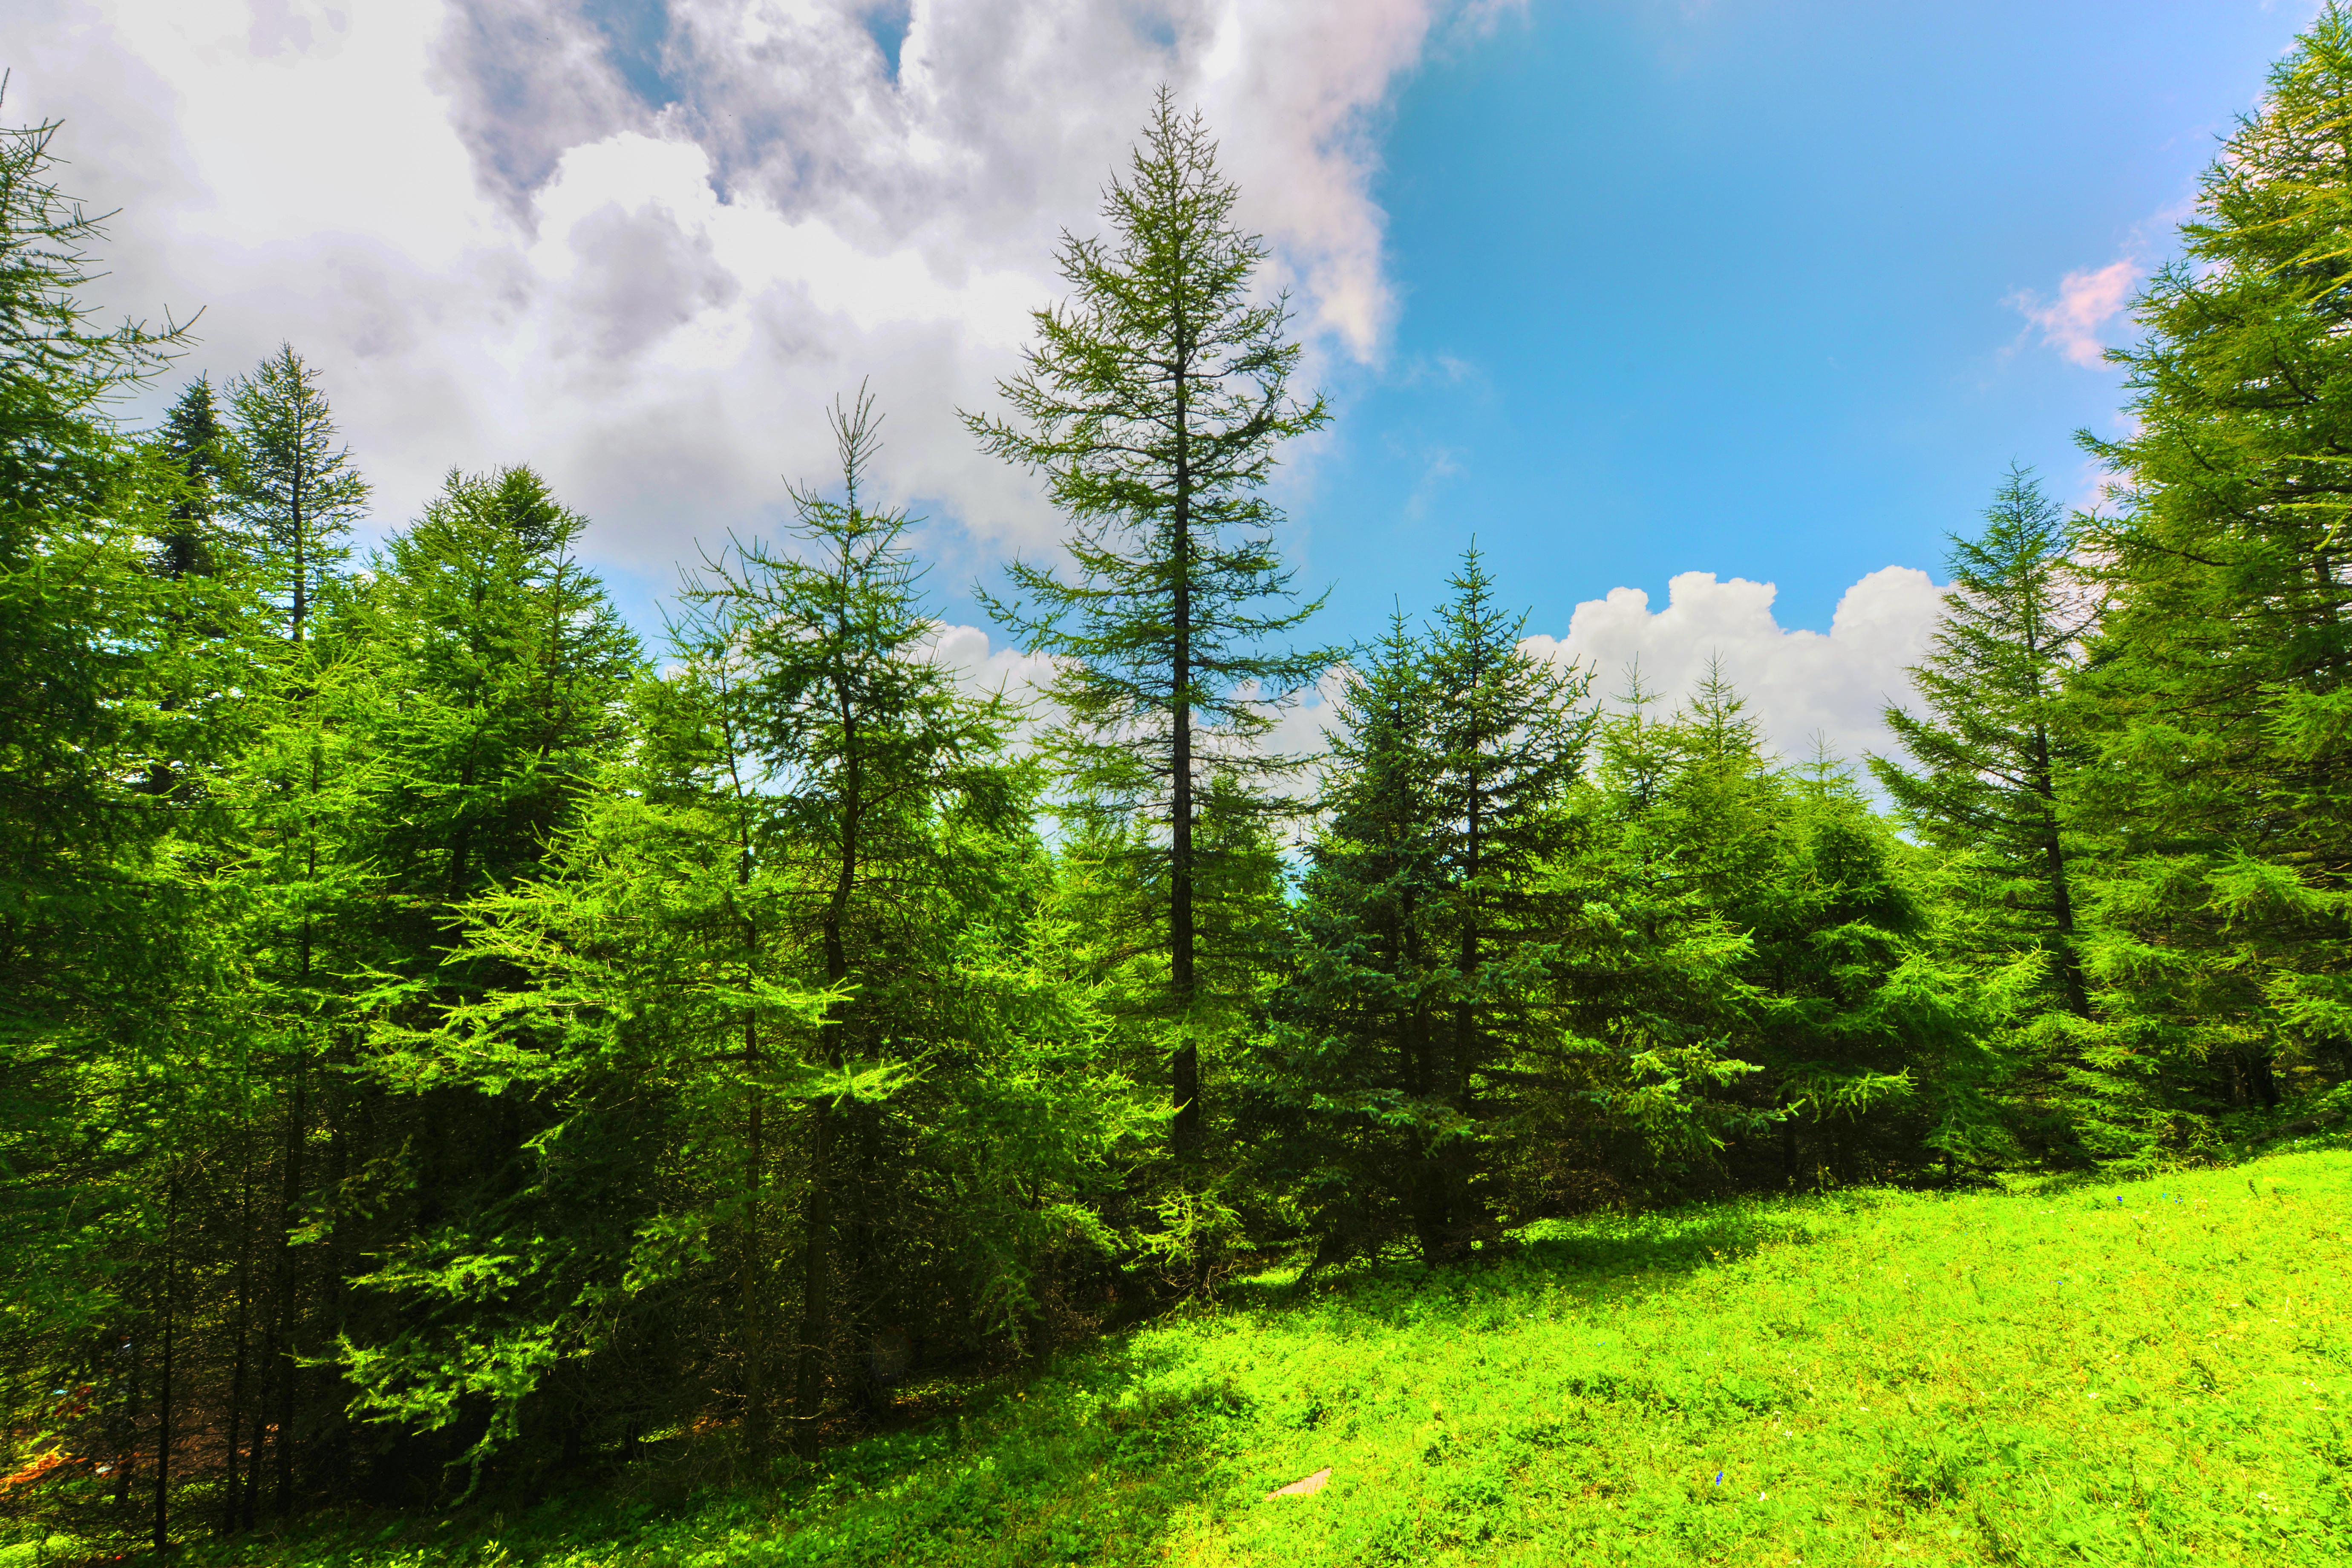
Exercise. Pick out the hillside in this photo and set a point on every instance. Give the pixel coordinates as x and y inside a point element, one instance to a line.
<point>2147,1373</point>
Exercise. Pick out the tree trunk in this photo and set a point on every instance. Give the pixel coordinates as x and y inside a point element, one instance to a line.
<point>1465,1012</point>
<point>816,1288</point>
<point>163,1412</point>
<point>755,1268</point>
<point>228,1520</point>
<point>126,1449</point>
<point>1184,1069</point>
<point>816,1284</point>
<point>2061,902</point>
<point>282,1334</point>
<point>1425,1195</point>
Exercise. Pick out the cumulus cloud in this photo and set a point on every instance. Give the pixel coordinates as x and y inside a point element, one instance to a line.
<point>2086,301</point>
<point>642,245</point>
<point>1800,684</point>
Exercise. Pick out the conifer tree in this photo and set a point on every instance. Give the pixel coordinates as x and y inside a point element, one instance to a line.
<point>1422,978</point>
<point>300,879</point>
<point>196,443</point>
<point>296,489</point>
<point>96,919</point>
<point>2220,682</point>
<point>1153,402</point>
<point>513,669</point>
<point>860,743</point>
<point>1345,1110</point>
<point>1996,751</point>
<point>1507,738</point>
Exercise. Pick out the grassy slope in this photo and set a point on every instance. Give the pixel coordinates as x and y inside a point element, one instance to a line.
<point>1876,1378</point>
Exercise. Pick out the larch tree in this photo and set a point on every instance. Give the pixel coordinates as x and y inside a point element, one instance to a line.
<point>860,743</point>
<point>2220,685</point>
<point>1153,402</point>
<point>295,488</point>
<point>1992,754</point>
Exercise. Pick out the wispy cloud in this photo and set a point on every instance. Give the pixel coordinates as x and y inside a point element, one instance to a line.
<point>2086,301</point>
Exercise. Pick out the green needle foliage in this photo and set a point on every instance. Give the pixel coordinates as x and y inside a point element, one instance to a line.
<point>874,775</point>
<point>294,489</point>
<point>1996,760</point>
<point>2217,682</point>
<point>1153,402</point>
<point>1995,750</point>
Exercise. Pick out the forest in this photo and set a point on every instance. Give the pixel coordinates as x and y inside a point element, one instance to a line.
<point>455,1047</point>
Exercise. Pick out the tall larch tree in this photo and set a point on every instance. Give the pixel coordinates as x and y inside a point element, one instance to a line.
<point>296,489</point>
<point>1153,402</point>
<point>1994,750</point>
<point>2220,682</point>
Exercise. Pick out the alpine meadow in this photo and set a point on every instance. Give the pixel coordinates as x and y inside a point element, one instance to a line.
<point>483,1084</point>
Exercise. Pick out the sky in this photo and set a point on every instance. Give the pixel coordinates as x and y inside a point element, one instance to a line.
<point>1707,319</point>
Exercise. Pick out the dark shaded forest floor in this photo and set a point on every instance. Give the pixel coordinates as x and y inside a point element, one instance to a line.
<point>2156,1371</point>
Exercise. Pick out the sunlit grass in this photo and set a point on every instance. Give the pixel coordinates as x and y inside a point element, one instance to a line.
<point>2153,1373</point>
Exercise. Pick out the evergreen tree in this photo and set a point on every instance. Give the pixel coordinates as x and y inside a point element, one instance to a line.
<point>301,881</point>
<point>1153,402</point>
<point>296,489</point>
<point>2217,684</point>
<point>1996,751</point>
<point>99,935</point>
<point>196,443</point>
<point>1345,1113</point>
<point>512,671</point>
<point>796,949</point>
<point>860,743</point>
<point>1424,976</point>
<point>1507,737</point>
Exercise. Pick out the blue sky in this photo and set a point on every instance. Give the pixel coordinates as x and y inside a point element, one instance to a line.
<point>1708,318</point>
<point>1732,286</point>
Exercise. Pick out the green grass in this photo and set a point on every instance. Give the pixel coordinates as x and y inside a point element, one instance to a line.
<point>2049,1377</point>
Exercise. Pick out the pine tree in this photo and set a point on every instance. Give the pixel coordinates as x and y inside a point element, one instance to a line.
<point>1422,978</point>
<point>1996,751</point>
<point>1344,1112</point>
<point>196,443</point>
<point>860,743</point>
<point>296,489</point>
<point>2218,685</point>
<point>1153,402</point>
<point>1507,738</point>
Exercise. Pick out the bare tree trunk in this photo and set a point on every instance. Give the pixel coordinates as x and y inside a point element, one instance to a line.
<point>228,1520</point>
<point>1185,1134</point>
<point>816,1288</point>
<point>163,1398</point>
<point>282,1334</point>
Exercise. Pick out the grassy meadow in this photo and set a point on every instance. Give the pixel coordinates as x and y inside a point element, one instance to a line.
<point>2152,1372</point>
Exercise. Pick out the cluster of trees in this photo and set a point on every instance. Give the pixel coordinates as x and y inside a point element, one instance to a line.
<point>447,1042</point>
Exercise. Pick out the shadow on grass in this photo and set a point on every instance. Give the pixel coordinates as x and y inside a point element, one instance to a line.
<point>1090,1463</point>
<point>1599,1249</point>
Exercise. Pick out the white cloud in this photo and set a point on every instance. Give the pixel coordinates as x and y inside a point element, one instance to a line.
<point>646,263</point>
<point>2087,300</point>
<point>1800,684</point>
